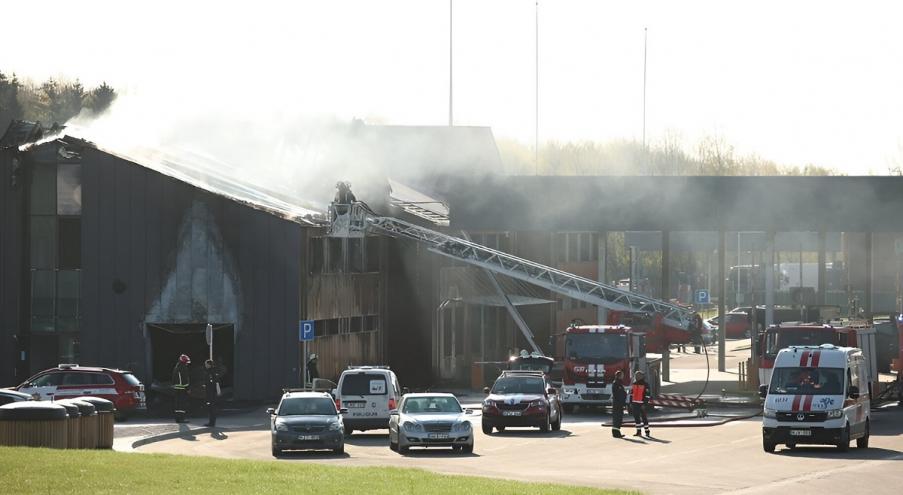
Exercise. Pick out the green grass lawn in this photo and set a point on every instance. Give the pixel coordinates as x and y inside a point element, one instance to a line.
<point>28,470</point>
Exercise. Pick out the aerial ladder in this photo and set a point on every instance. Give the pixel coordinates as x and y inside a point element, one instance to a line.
<point>355,219</point>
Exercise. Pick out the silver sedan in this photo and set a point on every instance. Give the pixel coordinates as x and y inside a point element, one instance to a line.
<point>430,420</point>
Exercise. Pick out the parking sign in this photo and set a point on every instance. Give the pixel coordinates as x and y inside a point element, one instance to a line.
<point>702,296</point>
<point>305,330</point>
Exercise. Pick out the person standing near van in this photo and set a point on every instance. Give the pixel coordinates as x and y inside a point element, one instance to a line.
<point>639,398</point>
<point>211,389</point>
<point>180,382</point>
<point>618,401</point>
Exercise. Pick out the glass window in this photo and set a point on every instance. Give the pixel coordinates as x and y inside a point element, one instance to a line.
<point>43,190</point>
<point>363,384</point>
<point>371,245</point>
<point>603,347</point>
<point>69,253</point>
<point>335,255</point>
<point>42,292</point>
<point>315,255</point>
<point>69,189</point>
<point>356,255</point>
<point>307,406</point>
<point>67,293</point>
<point>806,381</point>
<point>50,379</point>
<point>519,385</point>
<point>131,380</point>
<point>101,379</point>
<point>43,242</point>
<point>586,250</point>
<point>431,405</point>
<point>78,378</point>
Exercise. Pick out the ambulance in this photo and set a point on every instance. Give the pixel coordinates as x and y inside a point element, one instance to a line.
<point>817,395</point>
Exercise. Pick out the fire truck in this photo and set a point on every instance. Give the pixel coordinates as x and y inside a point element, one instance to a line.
<point>840,333</point>
<point>592,354</point>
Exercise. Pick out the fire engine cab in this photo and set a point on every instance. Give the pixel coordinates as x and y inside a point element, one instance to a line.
<point>816,396</point>
<point>591,354</point>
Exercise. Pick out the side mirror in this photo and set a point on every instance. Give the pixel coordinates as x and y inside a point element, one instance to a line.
<point>486,390</point>
<point>763,391</point>
<point>393,412</point>
<point>854,392</point>
<point>343,410</point>
<point>271,411</point>
<point>552,391</point>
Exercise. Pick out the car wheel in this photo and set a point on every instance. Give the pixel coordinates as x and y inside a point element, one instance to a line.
<point>545,424</point>
<point>501,429</point>
<point>768,446</point>
<point>863,442</point>
<point>844,444</point>
<point>557,424</point>
<point>487,429</point>
<point>467,449</point>
<point>340,449</point>
<point>348,431</point>
<point>277,452</point>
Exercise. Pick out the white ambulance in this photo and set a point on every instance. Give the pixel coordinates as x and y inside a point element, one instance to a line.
<point>817,395</point>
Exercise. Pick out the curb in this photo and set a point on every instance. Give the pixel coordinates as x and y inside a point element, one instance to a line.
<point>191,432</point>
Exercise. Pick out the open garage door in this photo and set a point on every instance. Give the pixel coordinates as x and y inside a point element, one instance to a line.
<point>169,340</point>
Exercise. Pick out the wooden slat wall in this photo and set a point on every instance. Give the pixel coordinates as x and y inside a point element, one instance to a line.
<point>337,352</point>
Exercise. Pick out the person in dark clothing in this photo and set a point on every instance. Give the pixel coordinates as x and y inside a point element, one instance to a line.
<point>180,382</point>
<point>211,389</point>
<point>618,401</point>
<point>696,333</point>
<point>312,371</point>
<point>639,398</point>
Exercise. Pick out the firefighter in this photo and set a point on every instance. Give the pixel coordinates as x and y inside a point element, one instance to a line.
<point>211,390</point>
<point>180,383</point>
<point>618,401</point>
<point>639,398</point>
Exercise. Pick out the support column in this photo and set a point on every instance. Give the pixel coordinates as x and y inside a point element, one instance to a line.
<point>722,295</point>
<point>665,296</point>
<point>822,297</point>
<point>769,279</point>
<point>602,274</point>
<point>869,255</point>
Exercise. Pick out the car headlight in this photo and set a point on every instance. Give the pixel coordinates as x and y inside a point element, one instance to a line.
<point>411,426</point>
<point>462,426</point>
<point>770,413</point>
<point>280,426</point>
<point>835,413</point>
<point>336,425</point>
<point>538,403</point>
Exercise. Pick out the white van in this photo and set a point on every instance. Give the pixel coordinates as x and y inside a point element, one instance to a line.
<point>368,393</point>
<point>817,395</point>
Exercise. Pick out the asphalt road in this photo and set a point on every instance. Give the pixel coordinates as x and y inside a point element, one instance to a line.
<point>715,459</point>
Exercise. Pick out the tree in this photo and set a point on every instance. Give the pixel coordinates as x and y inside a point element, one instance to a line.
<point>10,109</point>
<point>100,98</point>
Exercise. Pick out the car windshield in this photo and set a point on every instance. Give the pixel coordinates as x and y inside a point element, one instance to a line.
<point>806,381</point>
<point>431,405</point>
<point>363,384</point>
<point>778,339</point>
<point>307,406</point>
<point>519,385</point>
<point>600,347</point>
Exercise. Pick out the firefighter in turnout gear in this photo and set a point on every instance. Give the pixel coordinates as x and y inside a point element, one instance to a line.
<point>211,390</point>
<point>180,382</point>
<point>639,398</point>
<point>618,401</point>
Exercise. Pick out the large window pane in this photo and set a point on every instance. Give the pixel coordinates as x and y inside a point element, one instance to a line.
<point>355,255</point>
<point>70,243</point>
<point>43,242</point>
<point>372,247</point>
<point>336,256</point>
<point>69,190</point>
<point>67,293</point>
<point>42,292</point>
<point>315,255</point>
<point>43,190</point>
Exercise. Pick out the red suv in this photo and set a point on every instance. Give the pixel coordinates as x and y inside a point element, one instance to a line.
<point>71,380</point>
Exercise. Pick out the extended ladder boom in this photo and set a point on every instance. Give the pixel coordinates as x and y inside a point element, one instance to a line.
<point>356,219</point>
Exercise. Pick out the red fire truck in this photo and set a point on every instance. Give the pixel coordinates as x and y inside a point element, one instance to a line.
<point>841,333</point>
<point>591,354</point>
<point>658,334</point>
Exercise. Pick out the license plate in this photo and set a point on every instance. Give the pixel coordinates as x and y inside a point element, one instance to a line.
<point>308,437</point>
<point>594,390</point>
<point>352,405</point>
<point>438,435</point>
<point>510,413</point>
<point>800,433</point>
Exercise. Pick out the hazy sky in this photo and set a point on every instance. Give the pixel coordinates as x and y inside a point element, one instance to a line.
<point>798,82</point>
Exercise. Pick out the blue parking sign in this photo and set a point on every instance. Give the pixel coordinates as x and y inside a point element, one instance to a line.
<point>305,330</point>
<point>702,296</point>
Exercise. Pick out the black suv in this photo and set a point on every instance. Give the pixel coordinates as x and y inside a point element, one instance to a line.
<point>521,398</point>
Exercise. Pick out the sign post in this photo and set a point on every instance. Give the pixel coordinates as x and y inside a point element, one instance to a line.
<point>305,335</point>
<point>208,335</point>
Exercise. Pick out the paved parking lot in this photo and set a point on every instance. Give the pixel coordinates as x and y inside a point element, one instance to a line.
<point>714,459</point>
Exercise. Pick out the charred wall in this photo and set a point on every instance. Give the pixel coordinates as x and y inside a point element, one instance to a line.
<point>12,233</point>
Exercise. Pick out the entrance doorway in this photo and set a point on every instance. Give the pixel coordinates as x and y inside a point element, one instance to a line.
<point>170,340</point>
